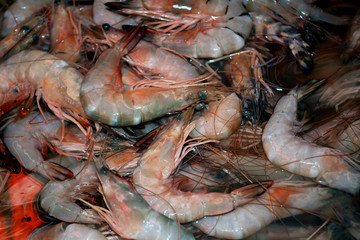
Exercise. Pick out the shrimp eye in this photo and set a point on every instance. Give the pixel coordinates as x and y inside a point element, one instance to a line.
<point>25,29</point>
<point>27,219</point>
<point>106,26</point>
<point>35,39</point>
<point>200,106</point>
<point>220,173</point>
<point>202,95</point>
<point>103,170</point>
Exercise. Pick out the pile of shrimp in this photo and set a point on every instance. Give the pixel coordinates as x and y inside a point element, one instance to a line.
<point>207,119</point>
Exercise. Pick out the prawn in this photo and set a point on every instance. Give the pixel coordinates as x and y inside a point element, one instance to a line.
<point>66,231</point>
<point>26,140</point>
<point>283,148</point>
<point>152,180</point>
<point>201,29</point>
<point>30,26</point>
<point>58,198</point>
<point>53,79</point>
<point>19,11</point>
<point>129,215</point>
<point>282,199</point>
<point>266,29</point>
<point>104,99</point>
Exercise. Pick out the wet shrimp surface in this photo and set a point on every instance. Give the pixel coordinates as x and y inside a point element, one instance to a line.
<point>204,119</point>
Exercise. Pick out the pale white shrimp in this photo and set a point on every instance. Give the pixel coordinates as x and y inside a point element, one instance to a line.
<point>66,231</point>
<point>26,139</point>
<point>32,25</point>
<point>129,215</point>
<point>202,29</point>
<point>283,148</point>
<point>19,11</point>
<point>58,198</point>
<point>283,199</point>
<point>220,120</point>
<point>104,99</point>
<point>53,79</point>
<point>152,180</point>
<point>292,10</point>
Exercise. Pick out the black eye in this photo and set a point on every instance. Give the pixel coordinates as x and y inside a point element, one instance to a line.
<point>103,170</point>
<point>25,29</point>
<point>202,95</point>
<point>106,26</point>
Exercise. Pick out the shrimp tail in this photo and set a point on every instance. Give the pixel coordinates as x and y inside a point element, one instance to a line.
<point>56,171</point>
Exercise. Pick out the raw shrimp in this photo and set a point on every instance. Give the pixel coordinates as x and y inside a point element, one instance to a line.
<point>202,29</point>
<point>64,42</point>
<point>34,71</point>
<point>220,120</point>
<point>26,139</point>
<point>283,199</point>
<point>66,231</point>
<point>267,29</point>
<point>58,198</point>
<point>292,10</point>
<point>19,11</point>
<point>327,166</point>
<point>152,180</point>
<point>105,100</point>
<point>129,215</point>
<point>32,25</point>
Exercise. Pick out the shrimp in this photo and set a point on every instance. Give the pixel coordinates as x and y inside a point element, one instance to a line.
<point>19,11</point>
<point>58,198</point>
<point>283,199</point>
<point>26,140</point>
<point>65,231</point>
<point>220,120</point>
<point>129,215</point>
<point>105,100</point>
<point>64,42</point>
<point>283,148</point>
<point>201,29</point>
<point>267,29</point>
<point>32,25</point>
<point>152,180</point>
<point>49,77</point>
<point>289,11</point>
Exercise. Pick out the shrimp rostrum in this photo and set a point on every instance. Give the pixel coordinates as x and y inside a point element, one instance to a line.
<point>327,166</point>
